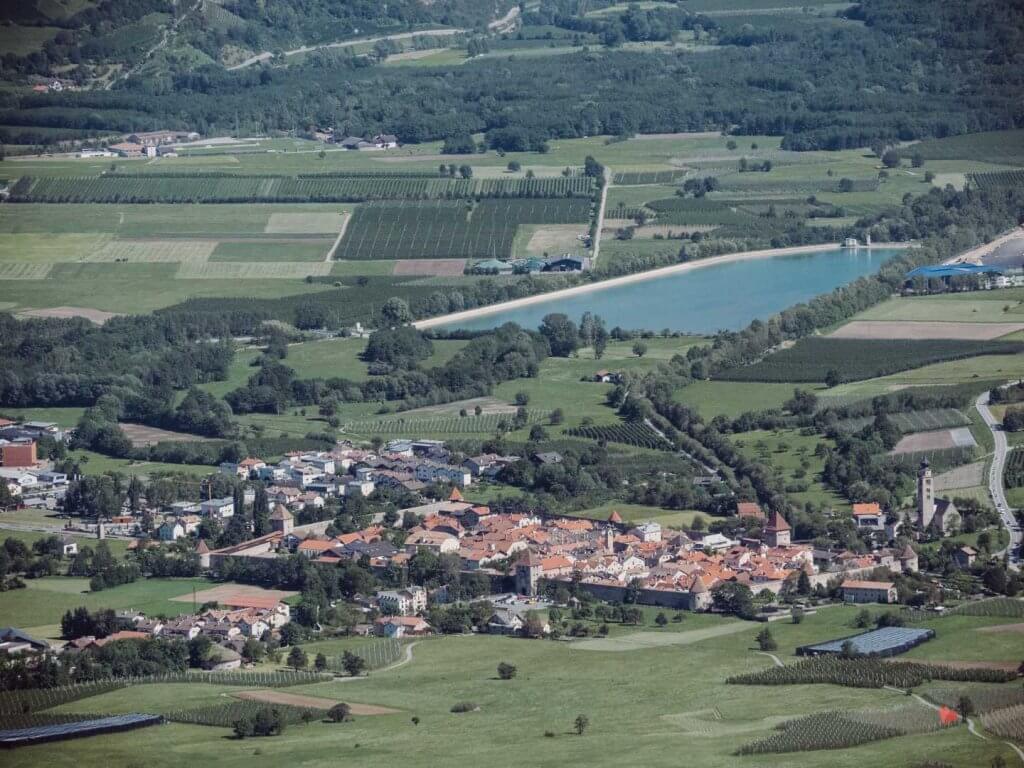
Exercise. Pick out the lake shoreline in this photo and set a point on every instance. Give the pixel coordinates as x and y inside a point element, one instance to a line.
<point>636,277</point>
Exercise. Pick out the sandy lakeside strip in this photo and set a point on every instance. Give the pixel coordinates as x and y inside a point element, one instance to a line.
<point>637,277</point>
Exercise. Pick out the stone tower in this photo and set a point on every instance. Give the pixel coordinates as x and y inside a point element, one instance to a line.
<point>776,533</point>
<point>528,571</point>
<point>281,520</point>
<point>925,496</point>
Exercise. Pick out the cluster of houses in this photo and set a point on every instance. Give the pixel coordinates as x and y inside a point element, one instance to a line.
<point>676,569</point>
<point>380,141</point>
<point>566,262</point>
<point>145,144</point>
<point>22,470</point>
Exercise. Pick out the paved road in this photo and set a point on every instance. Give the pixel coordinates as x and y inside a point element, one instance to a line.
<point>995,479</point>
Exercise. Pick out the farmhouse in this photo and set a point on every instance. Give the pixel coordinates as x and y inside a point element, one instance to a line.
<point>869,516</point>
<point>127,149</point>
<point>401,626</point>
<point>868,591</point>
<point>567,263</point>
<point>219,509</point>
<point>20,453</point>
<point>493,267</point>
<point>385,141</point>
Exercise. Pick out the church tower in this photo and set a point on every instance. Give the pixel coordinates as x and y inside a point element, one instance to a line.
<point>925,496</point>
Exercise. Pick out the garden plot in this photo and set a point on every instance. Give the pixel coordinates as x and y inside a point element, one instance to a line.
<point>557,238</point>
<point>92,315</point>
<point>936,440</point>
<point>154,251</point>
<point>225,593</point>
<point>303,223</point>
<point>142,435</point>
<point>967,476</point>
<point>639,641</point>
<point>230,270</point>
<point>311,702</point>
<point>879,329</point>
<point>25,271</point>
<point>430,267</point>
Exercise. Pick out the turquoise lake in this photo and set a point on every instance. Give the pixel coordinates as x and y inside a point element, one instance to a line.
<point>717,297</point>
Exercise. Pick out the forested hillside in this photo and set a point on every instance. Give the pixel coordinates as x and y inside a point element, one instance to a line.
<point>884,70</point>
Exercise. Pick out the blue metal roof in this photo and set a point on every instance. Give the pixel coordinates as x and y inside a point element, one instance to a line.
<point>877,641</point>
<point>954,270</point>
<point>41,733</point>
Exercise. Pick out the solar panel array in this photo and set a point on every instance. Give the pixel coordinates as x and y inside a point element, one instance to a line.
<point>57,731</point>
<point>884,641</point>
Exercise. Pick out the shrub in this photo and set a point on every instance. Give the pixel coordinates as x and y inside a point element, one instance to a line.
<point>339,713</point>
<point>464,706</point>
<point>506,671</point>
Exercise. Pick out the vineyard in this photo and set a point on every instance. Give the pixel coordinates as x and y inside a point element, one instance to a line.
<point>1008,723</point>
<point>36,699</point>
<point>865,673</point>
<point>327,188</point>
<point>486,423</point>
<point>940,459</point>
<point>697,211</point>
<point>1013,475</point>
<point>997,179</point>
<point>428,230</point>
<point>225,715</point>
<point>840,730</point>
<point>637,434</point>
<point>378,654</point>
<point>811,359</point>
<point>1004,607</point>
<point>913,421</point>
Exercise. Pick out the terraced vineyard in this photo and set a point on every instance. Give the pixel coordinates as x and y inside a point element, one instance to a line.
<point>446,229</point>
<point>485,423</point>
<point>637,434</point>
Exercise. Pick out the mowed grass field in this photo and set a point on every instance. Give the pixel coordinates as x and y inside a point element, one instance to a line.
<point>648,703</point>
<point>45,600</point>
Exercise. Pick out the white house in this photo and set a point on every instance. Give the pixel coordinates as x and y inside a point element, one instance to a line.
<point>403,602</point>
<point>359,487</point>
<point>430,472</point>
<point>219,509</point>
<point>647,532</point>
<point>171,531</point>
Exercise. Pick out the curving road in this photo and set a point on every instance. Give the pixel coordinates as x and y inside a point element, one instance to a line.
<point>995,480</point>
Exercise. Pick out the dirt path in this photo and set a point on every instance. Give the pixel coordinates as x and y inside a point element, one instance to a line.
<point>406,658</point>
<point>165,38</point>
<point>337,241</point>
<point>600,216</point>
<point>267,55</point>
<point>772,656</point>
<point>975,255</point>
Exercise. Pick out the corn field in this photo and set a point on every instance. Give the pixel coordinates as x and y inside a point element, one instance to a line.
<point>866,673</point>
<point>985,699</point>
<point>1007,722</point>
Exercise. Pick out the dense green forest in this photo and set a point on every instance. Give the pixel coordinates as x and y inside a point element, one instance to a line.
<point>887,70</point>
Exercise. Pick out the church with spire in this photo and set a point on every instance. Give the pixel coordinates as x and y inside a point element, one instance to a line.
<point>935,517</point>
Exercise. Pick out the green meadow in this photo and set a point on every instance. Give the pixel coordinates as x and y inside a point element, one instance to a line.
<point>648,703</point>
